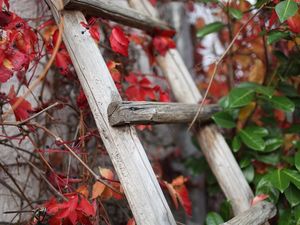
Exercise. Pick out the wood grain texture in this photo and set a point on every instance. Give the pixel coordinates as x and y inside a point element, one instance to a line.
<point>212,143</point>
<point>109,10</point>
<point>133,168</point>
<point>256,215</point>
<point>122,113</point>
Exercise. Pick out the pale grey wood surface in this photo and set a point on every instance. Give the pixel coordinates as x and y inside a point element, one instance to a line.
<point>133,168</point>
<point>256,215</point>
<point>122,113</point>
<point>109,10</point>
<point>211,141</point>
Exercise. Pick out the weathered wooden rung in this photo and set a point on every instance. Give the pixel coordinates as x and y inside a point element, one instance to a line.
<point>109,10</point>
<point>256,215</point>
<point>126,112</point>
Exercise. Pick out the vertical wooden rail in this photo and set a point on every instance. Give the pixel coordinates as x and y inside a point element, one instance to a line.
<point>140,185</point>
<point>213,144</point>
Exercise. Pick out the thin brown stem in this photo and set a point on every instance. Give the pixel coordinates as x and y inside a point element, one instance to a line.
<point>218,62</point>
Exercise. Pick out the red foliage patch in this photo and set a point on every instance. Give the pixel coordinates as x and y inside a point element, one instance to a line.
<point>163,42</point>
<point>76,210</point>
<point>93,28</point>
<point>17,45</point>
<point>119,41</point>
<point>142,89</point>
<point>22,111</point>
<point>294,23</point>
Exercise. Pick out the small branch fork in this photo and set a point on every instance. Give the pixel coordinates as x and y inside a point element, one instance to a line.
<point>60,141</point>
<point>219,61</point>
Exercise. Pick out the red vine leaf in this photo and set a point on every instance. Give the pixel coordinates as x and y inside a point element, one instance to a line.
<point>74,211</point>
<point>163,42</point>
<point>294,23</point>
<point>93,28</point>
<point>118,41</point>
<point>131,222</point>
<point>22,111</point>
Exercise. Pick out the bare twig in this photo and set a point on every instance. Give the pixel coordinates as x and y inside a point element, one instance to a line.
<point>59,140</point>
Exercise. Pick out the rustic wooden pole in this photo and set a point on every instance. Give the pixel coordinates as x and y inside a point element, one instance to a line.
<point>109,10</point>
<point>122,113</point>
<point>212,143</point>
<point>256,215</point>
<point>133,168</point>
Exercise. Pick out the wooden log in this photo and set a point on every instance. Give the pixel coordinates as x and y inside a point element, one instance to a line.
<point>130,161</point>
<point>256,215</point>
<point>109,10</point>
<point>122,113</point>
<point>212,143</point>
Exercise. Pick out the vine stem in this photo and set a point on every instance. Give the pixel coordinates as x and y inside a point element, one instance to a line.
<point>59,140</point>
<point>219,61</point>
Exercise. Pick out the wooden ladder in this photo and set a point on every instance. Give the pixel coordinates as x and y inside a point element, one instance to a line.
<point>133,168</point>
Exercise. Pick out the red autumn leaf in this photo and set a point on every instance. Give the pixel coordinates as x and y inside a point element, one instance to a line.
<point>273,19</point>
<point>5,18</point>
<point>86,207</point>
<point>140,89</point>
<point>131,222</point>
<point>153,2</point>
<point>93,28</point>
<point>294,23</point>
<point>162,44</point>
<point>24,108</point>
<point>115,73</point>
<point>182,194</point>
<point>18,60</point>
<point>259,198</point>
<point>164,96</point>
<point>77,209</point>
<point>5,74</point>
<point>172,193</point>
<point>81,100</point>
<point>118,41</point>
<point>63,61</point>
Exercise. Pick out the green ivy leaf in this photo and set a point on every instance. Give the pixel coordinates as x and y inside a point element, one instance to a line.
<point>292,194</point>
<point>252,140</point>
<point>226,210</point>
<point>283,103</point>
<point>239,97</point>
<point>224,102</point>
<point>276,35</point>
<point>213,218</point>
<point>224,119</point>
<point>236,144</point>
<point>235,13</point>
<point>249,173</point>
<point>272,144</point>
<point>271,158</point>
<point>244,162</point>
<point>210,28</point>
<point>297,160</point>
<point>285,217</point>
<point>279,180</point>
<point>259,131</point>
<point>286,9</point>
<point>260,89</point>
<point>293,176</point>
